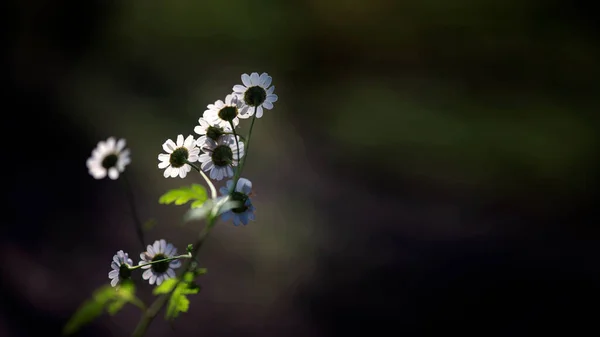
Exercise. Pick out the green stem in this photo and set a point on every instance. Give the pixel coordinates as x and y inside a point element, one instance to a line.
<point>238,172</point>
<point>136,220</point>
<point>160,302</point>
<point>213,190</point>
<point>186,256</point>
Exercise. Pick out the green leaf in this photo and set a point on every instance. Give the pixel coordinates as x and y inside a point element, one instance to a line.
<point>178,302</point>
<point>105,297</point>
<point>182,195</point>
<point>211,208</point>
<point>165,287</point>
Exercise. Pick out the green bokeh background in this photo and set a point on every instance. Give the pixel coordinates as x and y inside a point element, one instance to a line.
<point>377,100</point>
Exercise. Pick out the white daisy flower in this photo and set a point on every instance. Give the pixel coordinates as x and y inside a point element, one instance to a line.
<point>110,157</point>
<point>219,157</point>
<point>210,129</point>
<point>160,271</point>
<point>256,92</point>
<point>245,212</point>
<point>178,154</point>
<point>221,112</point>
<point>120,268</point>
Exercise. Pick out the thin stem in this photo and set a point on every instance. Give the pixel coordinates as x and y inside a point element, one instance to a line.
<point>238,149</point>
<point>238,172</point>
<point>186,256</point>
<point>213,190</point>
<point>134,213</point>
<point>160,302</point>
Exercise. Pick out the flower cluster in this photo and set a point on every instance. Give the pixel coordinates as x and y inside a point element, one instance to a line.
<point>218,150</point>
<point>159,261</point>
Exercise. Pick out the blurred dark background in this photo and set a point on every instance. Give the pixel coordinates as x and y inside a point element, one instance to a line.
<point>430,166</point>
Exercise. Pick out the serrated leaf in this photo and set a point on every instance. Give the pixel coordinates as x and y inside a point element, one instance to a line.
<point>178,301</point>
<point>105,297</point>
<point>184,194</point>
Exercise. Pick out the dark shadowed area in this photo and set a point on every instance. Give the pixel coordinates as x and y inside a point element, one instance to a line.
<point>430,166</point>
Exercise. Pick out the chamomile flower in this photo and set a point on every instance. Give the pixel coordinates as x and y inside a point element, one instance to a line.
<point>220,156</point>
<point>256,93</point>
<point>210,129</point>
<point>109,157</point>
<point>245,212</point>
<point>221,113</point>
<point>175,162</point>
<point>160,271</point>
<point>120,268</point>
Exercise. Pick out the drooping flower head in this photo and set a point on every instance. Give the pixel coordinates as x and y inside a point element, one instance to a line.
<point>256,92</point>
<point>220,156</point>
<point>120,268</point>
<point>178,155</point>
<point>108,158</point>
<point>211,129</point>
<point>221,113</point>
<point>245,212</point>
<point>160,271</point>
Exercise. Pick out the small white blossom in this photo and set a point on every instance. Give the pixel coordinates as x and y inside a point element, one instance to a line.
<point>245,212</point>
<point>221,112</point>
<point>120,268</point>
<point>256,92</point>
<point>160,271</point>
<point>108,158</point>
<point>219,157</point>
<point>178,154</point>
<point>210,129</point>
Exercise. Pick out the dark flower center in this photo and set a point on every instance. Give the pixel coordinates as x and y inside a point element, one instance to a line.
<point>242,198</point>
<point>222,155</point>
<point>110,161</point>
<point>214,132</point>
<point>160,267</point>
<point>255,96</point>
<point>179,157</point>
<point>228,113</point>
<point>124,272</point>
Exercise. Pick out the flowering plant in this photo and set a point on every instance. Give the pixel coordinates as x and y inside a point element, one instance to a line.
<point>217,151</point>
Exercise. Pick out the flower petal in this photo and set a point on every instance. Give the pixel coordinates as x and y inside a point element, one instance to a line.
<point>179,140</point>
<point>189,142</point>
<point>169,146</point>
<point>167,172</point>
<point>239,89</point>
<point>113,173</point>
<point>113,273</point>
<point>263,79</point>
<point>244,185</point>
<point>259,112</point>
<point>267,105</point>
<point>272,98</point>
<point>254,78</point>
<point>246,80</point>
<point>146,275</point>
